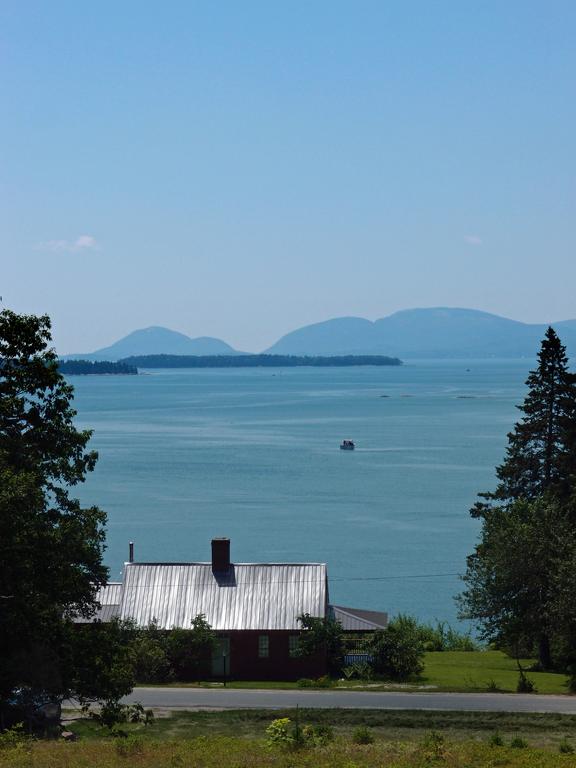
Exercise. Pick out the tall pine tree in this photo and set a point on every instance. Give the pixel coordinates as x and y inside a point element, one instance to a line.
<point>538,474</point>
<point>540,457</point>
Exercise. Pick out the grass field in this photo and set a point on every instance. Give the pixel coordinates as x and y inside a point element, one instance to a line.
<point>484,670</point>
<point>541,730</point>
<point>226,752</point>
<point>238,740</point>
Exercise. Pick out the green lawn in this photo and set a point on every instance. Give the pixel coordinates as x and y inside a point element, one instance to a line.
<point>481,670</point>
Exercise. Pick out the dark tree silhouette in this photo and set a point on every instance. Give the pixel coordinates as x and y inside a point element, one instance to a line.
<point>50,547</point>
<point>537,475</point>
<point>541,448</point>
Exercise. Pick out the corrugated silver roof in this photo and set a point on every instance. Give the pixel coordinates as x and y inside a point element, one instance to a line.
<point>109,597</point>
<point>359,620</point>
<point>250,596</point>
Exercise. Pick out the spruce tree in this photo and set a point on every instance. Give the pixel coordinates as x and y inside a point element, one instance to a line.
<point>541,448</point>
<point>512,577</point>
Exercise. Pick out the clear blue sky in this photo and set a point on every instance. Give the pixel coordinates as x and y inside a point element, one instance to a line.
<point>239,169</point>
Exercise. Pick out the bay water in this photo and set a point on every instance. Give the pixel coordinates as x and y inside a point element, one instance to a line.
<point>253,454</point>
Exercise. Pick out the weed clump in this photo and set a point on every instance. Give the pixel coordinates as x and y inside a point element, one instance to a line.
<point>496,739</point>
<point>434,746</point>
<point>525,685</point>
<point>362,735</point>
<point>565,748</point>
<point>129,747</point>
<point>320,682</point>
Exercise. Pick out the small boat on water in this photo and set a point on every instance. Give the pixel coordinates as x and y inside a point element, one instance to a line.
<point>347,445</point>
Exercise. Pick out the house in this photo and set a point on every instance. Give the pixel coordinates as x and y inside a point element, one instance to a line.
<point>253,608</point>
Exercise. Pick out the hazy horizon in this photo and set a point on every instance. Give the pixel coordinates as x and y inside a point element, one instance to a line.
<point>242,170</point>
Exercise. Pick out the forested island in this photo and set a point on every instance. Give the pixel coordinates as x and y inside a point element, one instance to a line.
<point>89,367</point>
<point>254,361</point>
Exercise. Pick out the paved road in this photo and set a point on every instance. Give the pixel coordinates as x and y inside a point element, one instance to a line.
<point>206,698</point>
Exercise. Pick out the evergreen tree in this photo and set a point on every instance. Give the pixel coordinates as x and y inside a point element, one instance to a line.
<point>540,453</point>
<point>514,576</point>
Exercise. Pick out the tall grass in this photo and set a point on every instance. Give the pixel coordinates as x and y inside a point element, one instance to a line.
<point>226,752</point>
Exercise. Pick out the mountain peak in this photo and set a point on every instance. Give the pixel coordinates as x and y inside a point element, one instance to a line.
<point>440,332</point>
<point>157,340</point>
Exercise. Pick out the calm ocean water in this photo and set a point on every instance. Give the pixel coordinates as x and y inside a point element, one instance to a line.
<point>186,455</point>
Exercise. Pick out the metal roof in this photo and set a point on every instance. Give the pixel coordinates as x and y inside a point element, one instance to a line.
<point>359,620</point>
<point>249,596</point>
<point>108,597</point>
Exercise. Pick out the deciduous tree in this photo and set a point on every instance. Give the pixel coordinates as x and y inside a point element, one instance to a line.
<point>50,546</point>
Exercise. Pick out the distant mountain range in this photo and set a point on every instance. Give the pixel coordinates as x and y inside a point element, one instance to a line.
<point>157,341</point>
<point>439,332</point>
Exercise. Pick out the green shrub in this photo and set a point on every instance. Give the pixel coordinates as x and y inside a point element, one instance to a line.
<point>349,672</point>
<point>322,636</point>
<point>358,670</point>
<point>496,739</point>
<point>565,747</point>
<point>434,746</point>
<point>362,735</point>
<point>113,714</point>
<point>438,637</point>
<point>137,714</point>
<point>129,747</point>
<point>317,735</point>
<point>525,685</point>
<point>14,737</point>
<point>189,650</point>
<point>279,733</point>
<point>151,661</point>
<point>320,682</point>
<point>285,734</point>
<point>398,651</point>
<point>518,743</point>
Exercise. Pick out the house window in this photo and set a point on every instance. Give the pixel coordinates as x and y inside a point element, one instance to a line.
<point>263,646</point>
<point>293,645</point>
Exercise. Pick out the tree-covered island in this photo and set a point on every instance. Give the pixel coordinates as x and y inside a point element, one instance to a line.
<point>255,361</point>
<point>90,367</point>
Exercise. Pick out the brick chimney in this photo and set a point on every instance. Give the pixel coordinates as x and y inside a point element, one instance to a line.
<point>220,555</point>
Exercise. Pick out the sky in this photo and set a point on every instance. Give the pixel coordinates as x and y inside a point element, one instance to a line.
<point>240,169</point>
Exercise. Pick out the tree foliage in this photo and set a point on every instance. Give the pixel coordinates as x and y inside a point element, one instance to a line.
<point>519,577</point>
<point>189,650</point>
<point>515,576</point>
<point>99,662</point>
<point>398,651</point>
<point>177,654</point>
<point>322,636</point>
<point>541,448</point>
<point>50,546</point>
